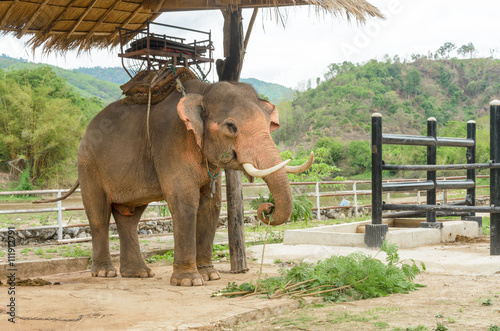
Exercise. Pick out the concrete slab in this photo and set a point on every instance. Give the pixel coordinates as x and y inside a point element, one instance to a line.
<point>345,235</point>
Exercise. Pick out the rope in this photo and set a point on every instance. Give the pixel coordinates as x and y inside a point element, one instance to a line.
<point>203,77</point>
<point>179,86</point>
<point>149,110</point>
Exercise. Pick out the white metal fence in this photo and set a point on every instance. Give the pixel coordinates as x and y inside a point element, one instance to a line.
<point>317,190</point>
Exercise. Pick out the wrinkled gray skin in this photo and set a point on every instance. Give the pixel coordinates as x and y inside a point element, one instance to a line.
<point>215,126</point>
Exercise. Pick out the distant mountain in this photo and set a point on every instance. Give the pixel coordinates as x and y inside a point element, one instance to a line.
<point>405,93</point>
<point>105,82</point>
<point>115,74</point>
<point>86,85</point>
<point>274,92</point>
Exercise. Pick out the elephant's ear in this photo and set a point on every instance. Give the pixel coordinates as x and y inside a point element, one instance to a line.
<point>189,109</point>
<point>271,110</point>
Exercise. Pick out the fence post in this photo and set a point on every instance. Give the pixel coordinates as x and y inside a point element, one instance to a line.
<point>318,215</point>
<point>471,158</point>
<point>59,217</point>
<point>376,232</point>
<point>470,155</point>
<point>495,176</point>
<point>355,199</point>
<point>431,175</point>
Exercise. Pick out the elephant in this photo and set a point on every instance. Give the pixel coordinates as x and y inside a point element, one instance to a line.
<point>132,155</point>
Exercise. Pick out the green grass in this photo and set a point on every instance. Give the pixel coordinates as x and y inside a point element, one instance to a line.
<point>219,252</point>
<point>302,225</point>
<point>412,328</point>
<point>440,327</point>
<point>300,321</point>
<point>381,325</point>
<point>168,257</point>
<point>486,226</point>
<point>18,198</point>
<point>346,318</point>
<point>74,251</point>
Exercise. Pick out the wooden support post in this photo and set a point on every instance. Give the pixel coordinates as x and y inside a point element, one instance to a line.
<point>235,221</point>
<point>229,70</point>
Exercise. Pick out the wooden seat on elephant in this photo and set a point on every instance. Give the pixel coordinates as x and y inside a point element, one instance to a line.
<point>160,84</point>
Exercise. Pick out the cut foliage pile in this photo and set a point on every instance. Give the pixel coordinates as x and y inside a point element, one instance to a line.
<point>338,278</point>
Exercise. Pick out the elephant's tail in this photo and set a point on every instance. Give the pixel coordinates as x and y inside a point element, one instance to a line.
<point>73,189</point>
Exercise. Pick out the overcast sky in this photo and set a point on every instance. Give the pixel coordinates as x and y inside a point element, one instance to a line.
<point>309,42</point>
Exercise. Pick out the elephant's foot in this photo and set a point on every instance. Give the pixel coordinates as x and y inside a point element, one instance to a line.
<point>208,273</point>
<point>186,279</point>
<point>103,270</point>
<point>139,272</point>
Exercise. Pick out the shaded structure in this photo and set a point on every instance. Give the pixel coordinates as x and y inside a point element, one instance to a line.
<point>62,25</point>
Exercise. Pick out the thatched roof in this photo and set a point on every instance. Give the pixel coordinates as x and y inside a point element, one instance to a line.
<point>62,25</point>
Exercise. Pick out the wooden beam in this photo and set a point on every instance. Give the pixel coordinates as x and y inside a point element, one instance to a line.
<point>49,27</point>
<point>81,18</point>
<point>249,29</point>
<point>76,33</point>
<point>127,21</point>
<point>158,6</point>
<point>33,17</point>
<point>7,14</point>
<point>96,26</point>
<point>185,5</point>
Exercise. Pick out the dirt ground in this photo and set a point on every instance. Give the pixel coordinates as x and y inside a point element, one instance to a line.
<point>455,301</point>
<point>458,296</point>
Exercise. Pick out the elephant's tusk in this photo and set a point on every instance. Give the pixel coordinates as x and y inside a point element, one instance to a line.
<point>254,172</point>
<point>300,168</point>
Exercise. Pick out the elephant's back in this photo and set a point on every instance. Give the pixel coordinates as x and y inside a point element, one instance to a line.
<point>115,152</point>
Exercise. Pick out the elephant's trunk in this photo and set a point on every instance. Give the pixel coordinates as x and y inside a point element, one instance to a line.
<point>280,212</point>
<point>261,153</point>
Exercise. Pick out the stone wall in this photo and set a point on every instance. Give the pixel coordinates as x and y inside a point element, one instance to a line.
<point>49,234</point>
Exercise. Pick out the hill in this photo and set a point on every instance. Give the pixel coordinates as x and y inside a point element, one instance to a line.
<point>84,84</point>
<point>275,92</point>
<point>115,74</point>
<point>406,94</point>
<point>105,83</point>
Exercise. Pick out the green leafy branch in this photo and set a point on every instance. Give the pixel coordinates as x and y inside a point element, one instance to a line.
<point>337,279</point>
<point>301,210</point>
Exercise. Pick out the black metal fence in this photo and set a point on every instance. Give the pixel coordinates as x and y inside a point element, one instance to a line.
<point>376,232</point>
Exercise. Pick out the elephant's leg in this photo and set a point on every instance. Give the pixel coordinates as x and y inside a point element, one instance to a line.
<point>131,260</point>
<point>206,225</point>
<point>184,210</point>
<point>98,212</point>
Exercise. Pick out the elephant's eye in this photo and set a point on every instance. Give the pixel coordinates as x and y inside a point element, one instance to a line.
<point>232,128</point>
